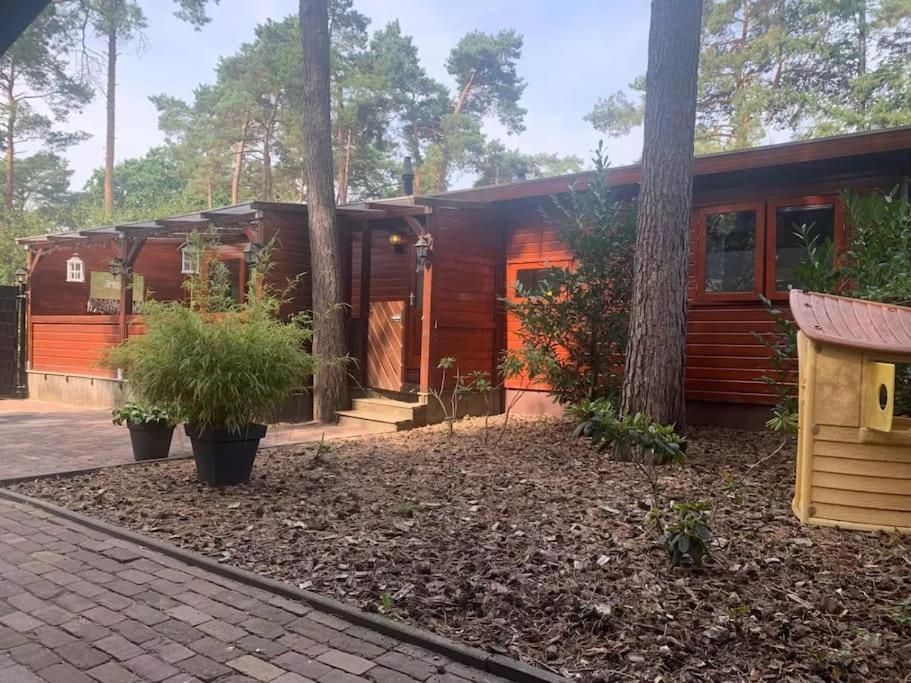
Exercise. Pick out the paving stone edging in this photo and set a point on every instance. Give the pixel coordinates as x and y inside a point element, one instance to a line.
<point>498,665</point>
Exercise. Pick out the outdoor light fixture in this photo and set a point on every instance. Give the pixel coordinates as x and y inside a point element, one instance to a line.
<point>251,254</point>
<point>21,276</point>
<point>116,267</point>
<point>397,241</point>
<point>422,251</point>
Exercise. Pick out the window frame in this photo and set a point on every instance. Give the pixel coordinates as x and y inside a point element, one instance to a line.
<point>700,216</point>
<point>188,252</point>
<point>513,268</point>
<point>75,260</point>
<point>771,228</point>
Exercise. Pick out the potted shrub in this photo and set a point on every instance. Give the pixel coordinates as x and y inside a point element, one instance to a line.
<point>151,429</point>
<point>222,365</point>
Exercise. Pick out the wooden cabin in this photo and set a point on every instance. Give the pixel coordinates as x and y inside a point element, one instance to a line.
<point>424,275</point>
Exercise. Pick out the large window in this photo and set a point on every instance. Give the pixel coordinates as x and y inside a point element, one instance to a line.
<point>791,222</point>
<point>729,241</point>
<point>744,250</point>
<point>532,280</point>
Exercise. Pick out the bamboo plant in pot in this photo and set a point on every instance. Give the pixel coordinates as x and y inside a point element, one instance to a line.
<point>151,429</point>
<point>222,365</point>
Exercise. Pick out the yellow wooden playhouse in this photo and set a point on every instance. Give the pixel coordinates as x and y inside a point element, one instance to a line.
<point>853,454</point>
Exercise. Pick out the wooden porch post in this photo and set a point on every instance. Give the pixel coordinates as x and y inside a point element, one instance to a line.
<point>428,322</point>
<point>366,249</point>
<point>128,252</point>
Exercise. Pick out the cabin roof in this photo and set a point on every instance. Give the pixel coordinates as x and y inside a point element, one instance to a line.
<point>840,146</point>
<point>852,323</point>
<point>800,151</point>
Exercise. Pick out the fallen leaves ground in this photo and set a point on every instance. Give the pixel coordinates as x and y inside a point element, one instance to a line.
<point>536,548</point>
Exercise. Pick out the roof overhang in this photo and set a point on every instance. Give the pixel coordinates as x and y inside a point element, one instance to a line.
<point>770,156</point>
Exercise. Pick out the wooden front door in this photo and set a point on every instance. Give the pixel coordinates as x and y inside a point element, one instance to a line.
<point>386,345</point>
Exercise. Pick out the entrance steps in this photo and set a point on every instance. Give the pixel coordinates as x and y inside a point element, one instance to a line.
<point>381,413</point>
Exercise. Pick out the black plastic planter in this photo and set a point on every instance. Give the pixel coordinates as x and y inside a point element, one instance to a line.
<point>151,440</point>
<point>224,458</point>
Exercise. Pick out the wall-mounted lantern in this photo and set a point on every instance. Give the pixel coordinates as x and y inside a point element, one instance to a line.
<point>423,250</point>
<point>116,267</point>
<point>397,241</point>
<point>75,269</point>
<point>251,254</point>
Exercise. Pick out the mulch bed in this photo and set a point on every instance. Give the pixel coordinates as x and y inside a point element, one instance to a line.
<point>536,548</point>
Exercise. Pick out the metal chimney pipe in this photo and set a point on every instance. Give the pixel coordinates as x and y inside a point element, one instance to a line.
<point>407,177</point>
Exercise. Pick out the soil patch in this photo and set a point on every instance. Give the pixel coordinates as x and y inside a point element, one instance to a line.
<point>536,548</point>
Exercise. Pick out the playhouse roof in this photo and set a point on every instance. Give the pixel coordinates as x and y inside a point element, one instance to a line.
<point>853,323</point>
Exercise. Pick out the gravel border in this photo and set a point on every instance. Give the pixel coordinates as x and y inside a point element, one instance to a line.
<point>497,665</point>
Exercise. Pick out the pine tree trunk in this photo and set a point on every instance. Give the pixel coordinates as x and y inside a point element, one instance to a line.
<point>656,352</point>
<point>443,174</point>
<point>330,392</point>
<point>10,140</point>
<point>109,133</point>
<point>239,163</point>
<point>266,193</point>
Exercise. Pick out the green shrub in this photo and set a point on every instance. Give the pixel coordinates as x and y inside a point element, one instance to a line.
<point>218,369</point>
<point>686,534</point>
<point>575,320</point>
<point>140,413</point>
<point>876,265</point>
<point>597,420</point>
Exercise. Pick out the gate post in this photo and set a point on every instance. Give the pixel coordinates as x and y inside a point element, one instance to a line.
<point>21,332</point>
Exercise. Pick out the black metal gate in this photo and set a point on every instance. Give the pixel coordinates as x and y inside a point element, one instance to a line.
<point>9,324</point>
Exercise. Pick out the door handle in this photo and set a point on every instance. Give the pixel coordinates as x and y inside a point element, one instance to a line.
<point>396,317</point>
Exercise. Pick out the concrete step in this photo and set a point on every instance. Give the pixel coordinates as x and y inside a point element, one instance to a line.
<point>372,423</point>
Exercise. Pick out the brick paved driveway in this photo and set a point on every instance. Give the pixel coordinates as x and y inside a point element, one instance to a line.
<point>42,438</point>
<point>77,606</point>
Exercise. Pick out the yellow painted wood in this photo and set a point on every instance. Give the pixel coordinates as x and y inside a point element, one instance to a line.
<point>878,383</point>
<point>871,468</point>
<point>841,515</point>
<point>806,355</point>
<point>867,484</point>
<point>899,436</point>
<point>859,451</point>
<point>862,499</point>
<point>853,465</point>
<point>838,375</point>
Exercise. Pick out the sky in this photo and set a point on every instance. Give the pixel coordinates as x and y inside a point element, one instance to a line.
<point>573,54</point>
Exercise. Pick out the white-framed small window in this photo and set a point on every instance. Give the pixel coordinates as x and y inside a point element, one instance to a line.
<point>189,260</point>
<point>75,269</point>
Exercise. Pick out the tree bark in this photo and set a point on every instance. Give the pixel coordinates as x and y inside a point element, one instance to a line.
<point>10,138</point>
<point>109,133</point>
<point>656,351</point>
<point>457,109</point>
<point>239,163</point>
<point>330,391</point>
<point>268,131</point>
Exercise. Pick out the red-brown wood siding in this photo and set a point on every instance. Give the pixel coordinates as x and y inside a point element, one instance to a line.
<point>465,266</point>
<point>51,294</point>
<point>724,360</point>
<point>72,343</point>
<point>290,258</point>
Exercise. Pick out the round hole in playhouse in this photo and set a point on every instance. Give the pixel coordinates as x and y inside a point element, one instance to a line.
<point>883,397</point>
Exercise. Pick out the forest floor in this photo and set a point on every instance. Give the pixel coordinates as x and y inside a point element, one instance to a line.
<point>537,547</point>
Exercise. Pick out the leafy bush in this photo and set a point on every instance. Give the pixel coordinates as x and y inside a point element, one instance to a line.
<point>577,318</point>
<point>598,421</point>
<point>139,413</point>
<point>686,534</point>
<point>223,369</point>
<point>876,265</point>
